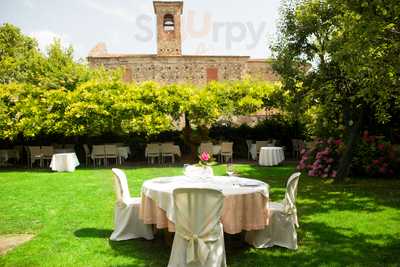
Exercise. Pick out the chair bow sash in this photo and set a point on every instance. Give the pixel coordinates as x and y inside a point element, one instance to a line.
<point>199,252</point>
<point>290,209</point>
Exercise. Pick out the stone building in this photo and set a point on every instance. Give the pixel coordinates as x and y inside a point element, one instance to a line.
<point>170,66</point>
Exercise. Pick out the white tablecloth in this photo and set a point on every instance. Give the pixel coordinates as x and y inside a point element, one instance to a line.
<point>160,189</point>
<point>64,162</point>
<point>270,156</point>
<point>216,149</point>
<point>124,151</point>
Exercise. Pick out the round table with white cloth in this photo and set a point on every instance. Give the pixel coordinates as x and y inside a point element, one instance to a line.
<point>123,153</point>
<point>64,162</point>
<point>270,156</point>
<point>244,201</point>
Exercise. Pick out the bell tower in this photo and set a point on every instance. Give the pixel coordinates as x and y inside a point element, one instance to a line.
<point>169,42</point>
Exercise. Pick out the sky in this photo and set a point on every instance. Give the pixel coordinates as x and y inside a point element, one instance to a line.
<point>209,27</point>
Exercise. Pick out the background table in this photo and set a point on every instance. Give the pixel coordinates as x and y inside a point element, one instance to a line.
<point>123,153</point>
<point>64,162</point>
<point>244,201</point>
<point>270,156</point>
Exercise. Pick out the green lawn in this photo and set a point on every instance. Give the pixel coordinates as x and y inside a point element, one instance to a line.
<point>72,213</point>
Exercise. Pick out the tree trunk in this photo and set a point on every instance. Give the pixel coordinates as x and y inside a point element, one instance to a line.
<point>352,136</point>
<point>188,137</point>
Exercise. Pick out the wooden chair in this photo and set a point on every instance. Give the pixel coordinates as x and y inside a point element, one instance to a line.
<point>35,154</point>
<point>167,150</point>
<point>47,153</point>
<point>226,151</point>
<point>98,153</point>
<point>152,152</point>
<point>111,153</point>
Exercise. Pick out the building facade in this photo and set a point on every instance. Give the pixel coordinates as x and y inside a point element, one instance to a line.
<point>170,66</point>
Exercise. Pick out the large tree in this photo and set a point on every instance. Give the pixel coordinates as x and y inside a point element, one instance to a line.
<point>20,60</point>
<point>344,54</point>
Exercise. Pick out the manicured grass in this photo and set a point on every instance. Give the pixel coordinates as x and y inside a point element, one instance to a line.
<point>71,214</point>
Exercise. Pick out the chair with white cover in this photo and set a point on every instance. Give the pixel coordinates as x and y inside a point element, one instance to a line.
<point>281,230</point>
<point>152,152</point>
<point>199,236</point>
<point>167,150</point>
<point>126,215</point>
<point>35,154</point>
<point>226,151</point>
<point>98,153</point>
<point>111,153</point>
<point>259,145</point>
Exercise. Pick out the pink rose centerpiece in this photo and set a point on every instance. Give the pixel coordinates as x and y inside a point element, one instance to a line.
<point>206,160</point>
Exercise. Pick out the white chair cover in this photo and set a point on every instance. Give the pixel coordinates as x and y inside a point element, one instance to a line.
<point>127,222</point>
<point>281,230</point>
<point>198,171</point>
<point>199,238</point>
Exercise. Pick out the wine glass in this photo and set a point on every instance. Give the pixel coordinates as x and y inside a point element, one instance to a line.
<point>229,168</point>
<point>185,166</point>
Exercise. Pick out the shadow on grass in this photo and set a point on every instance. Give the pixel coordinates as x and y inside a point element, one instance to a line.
<point>324,246</point>
<point>152,252</point>
<point>93,233</point>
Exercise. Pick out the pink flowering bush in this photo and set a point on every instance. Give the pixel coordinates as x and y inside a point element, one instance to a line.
<point>376,157</point>
<point>321,158</point>
<point>373,156</point>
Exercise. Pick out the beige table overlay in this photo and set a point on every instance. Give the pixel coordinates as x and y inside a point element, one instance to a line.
<point>244,201</point>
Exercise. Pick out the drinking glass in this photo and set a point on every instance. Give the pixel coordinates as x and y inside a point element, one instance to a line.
<point>229,168</point>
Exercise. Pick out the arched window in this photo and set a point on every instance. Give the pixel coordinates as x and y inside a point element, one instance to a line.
<point>169,24</point>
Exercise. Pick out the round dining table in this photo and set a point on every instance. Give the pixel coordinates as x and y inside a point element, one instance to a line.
<point>244,206</point>
<point>270,156</point>
<point>64,162</point>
